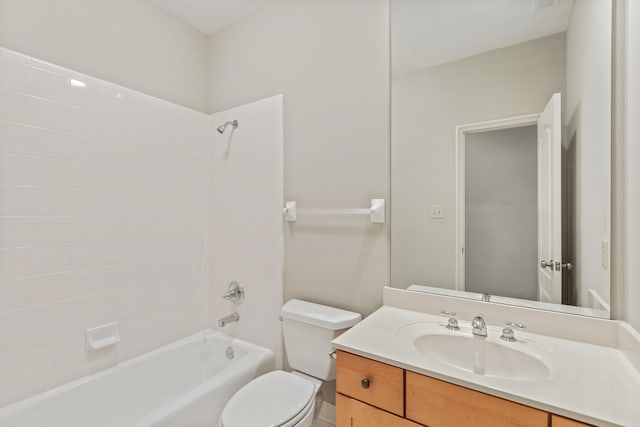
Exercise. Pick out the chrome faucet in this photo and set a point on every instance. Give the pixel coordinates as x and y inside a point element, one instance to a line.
<point>235,293</point>
<point>479,326</point>
<point>234,317</point>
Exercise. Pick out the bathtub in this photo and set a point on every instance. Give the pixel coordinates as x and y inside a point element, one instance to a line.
<point>186,383</point>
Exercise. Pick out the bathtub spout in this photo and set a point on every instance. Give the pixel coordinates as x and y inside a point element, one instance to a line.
<point>228,319</point>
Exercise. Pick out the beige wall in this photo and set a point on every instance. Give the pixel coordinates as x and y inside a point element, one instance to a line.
<point>588,124</point>
<point>128,42</point>
<point>330,59</point>
<point>427,106</point>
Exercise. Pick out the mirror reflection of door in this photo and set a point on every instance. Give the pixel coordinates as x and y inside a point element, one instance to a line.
<point>550,203</point>
<point>512,208</point>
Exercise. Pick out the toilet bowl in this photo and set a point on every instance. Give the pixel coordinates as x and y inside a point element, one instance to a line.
<point>288,399</point>
<point>278,398</point>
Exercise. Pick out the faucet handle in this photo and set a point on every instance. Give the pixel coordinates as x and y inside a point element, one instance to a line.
<point>515,325</point>
<point>507,333</point>
<point>452,324</point>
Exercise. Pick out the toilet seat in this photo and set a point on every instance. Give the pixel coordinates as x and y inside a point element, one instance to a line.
<point>276,399</point>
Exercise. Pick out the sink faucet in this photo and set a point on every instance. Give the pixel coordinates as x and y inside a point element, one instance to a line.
<point>479,326</point>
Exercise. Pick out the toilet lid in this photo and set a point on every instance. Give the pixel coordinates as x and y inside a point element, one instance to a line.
<point>270,400</point>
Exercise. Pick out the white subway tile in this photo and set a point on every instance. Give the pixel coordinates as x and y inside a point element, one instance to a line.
<point>55,173</point>
<point>15,200</point>
<point>51,115</point>
<point>14,138</point>
<point>15,231</point>
<point>14,294</point>
<point>85,282</point>
<point>50,259</point>
<point>15,107</point>
<point>50,288</point>
<point>14,263</point>
<point>14,74</point>
<point>15,325</point>
<point>50,85</point>
<point>84,91</point>
<point>83,121</point>
<point>16,355</point>
<point>15,169</point>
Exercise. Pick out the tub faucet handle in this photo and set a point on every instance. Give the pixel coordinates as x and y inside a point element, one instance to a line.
<point>235,293</point>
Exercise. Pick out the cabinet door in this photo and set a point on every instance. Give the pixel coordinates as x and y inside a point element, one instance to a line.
<point>557,421</point>
<point>372,382</point>
<point>353,413</point>
<point>440,404</point>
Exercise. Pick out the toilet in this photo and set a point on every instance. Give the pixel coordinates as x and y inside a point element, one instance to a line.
<point>287,399</point>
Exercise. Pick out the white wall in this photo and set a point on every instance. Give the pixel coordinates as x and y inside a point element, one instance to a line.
<point>633,164</point>
<point>427,106</point>
<point>247,225</point>
<point>501,212</point>
<point>129,42</point>
<point>330,59</point>
<point>588,121</point>
<point>103,217</point>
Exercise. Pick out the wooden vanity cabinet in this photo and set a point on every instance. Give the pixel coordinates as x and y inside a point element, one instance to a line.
<point>374,394</point>
<point>372,382</point>
<point>353,413</point>
<point>441,404</point>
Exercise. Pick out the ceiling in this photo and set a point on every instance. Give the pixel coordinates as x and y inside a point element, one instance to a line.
<point>425,33</point>
<point>209,16</point>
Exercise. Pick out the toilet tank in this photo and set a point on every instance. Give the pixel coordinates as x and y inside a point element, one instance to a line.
<point>308,331</point>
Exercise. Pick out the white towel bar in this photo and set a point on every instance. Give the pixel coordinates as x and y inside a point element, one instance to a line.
<point>376,211</point>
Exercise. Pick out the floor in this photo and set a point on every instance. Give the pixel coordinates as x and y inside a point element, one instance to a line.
<point>327,416</point>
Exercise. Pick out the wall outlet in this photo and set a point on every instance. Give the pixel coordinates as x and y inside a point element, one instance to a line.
<point>437,211</point>
<point>605,255</point>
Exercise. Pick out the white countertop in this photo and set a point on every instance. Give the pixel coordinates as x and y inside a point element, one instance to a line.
<point>596,384</point>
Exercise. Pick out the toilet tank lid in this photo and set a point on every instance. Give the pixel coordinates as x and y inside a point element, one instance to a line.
<point>319,315</point>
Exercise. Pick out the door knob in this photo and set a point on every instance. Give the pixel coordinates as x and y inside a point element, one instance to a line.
<point>364,383</point>
<point>566,265</point>
<point>545,264</point>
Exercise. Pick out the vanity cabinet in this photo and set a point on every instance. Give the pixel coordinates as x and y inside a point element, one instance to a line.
<point>375,383</point>
<point>353,413</point>
<point>440,404</point>
<point>374,394</point>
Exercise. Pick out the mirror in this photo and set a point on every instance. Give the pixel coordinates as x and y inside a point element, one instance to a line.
<point>501,148</point>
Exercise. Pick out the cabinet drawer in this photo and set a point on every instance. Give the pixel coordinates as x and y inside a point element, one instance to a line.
<point>372,382</point>
<point>353,413</point>
<point>440,404</point>
<point>557,421</point>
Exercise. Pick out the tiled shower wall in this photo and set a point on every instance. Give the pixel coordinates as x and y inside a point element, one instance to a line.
<point>104,209</point>
<point>247,226</point>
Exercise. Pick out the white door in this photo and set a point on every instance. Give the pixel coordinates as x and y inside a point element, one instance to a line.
<point>549,203</point>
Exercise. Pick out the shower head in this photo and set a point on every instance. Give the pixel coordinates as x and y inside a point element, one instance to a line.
<point>223,127</point>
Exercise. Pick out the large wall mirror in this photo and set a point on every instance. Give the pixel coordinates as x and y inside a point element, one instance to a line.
<point>501,148</point>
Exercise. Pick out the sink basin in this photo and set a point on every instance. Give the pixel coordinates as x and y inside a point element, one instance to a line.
<point>490,357</point>
<point>483,357</point>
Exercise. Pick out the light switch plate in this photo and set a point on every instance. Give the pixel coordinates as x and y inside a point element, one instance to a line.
<point>437,211</point>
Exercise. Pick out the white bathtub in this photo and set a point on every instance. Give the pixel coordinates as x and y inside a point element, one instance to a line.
<point>186,383</point>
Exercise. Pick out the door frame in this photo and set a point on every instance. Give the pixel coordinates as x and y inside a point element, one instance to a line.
<point>461,132</point>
